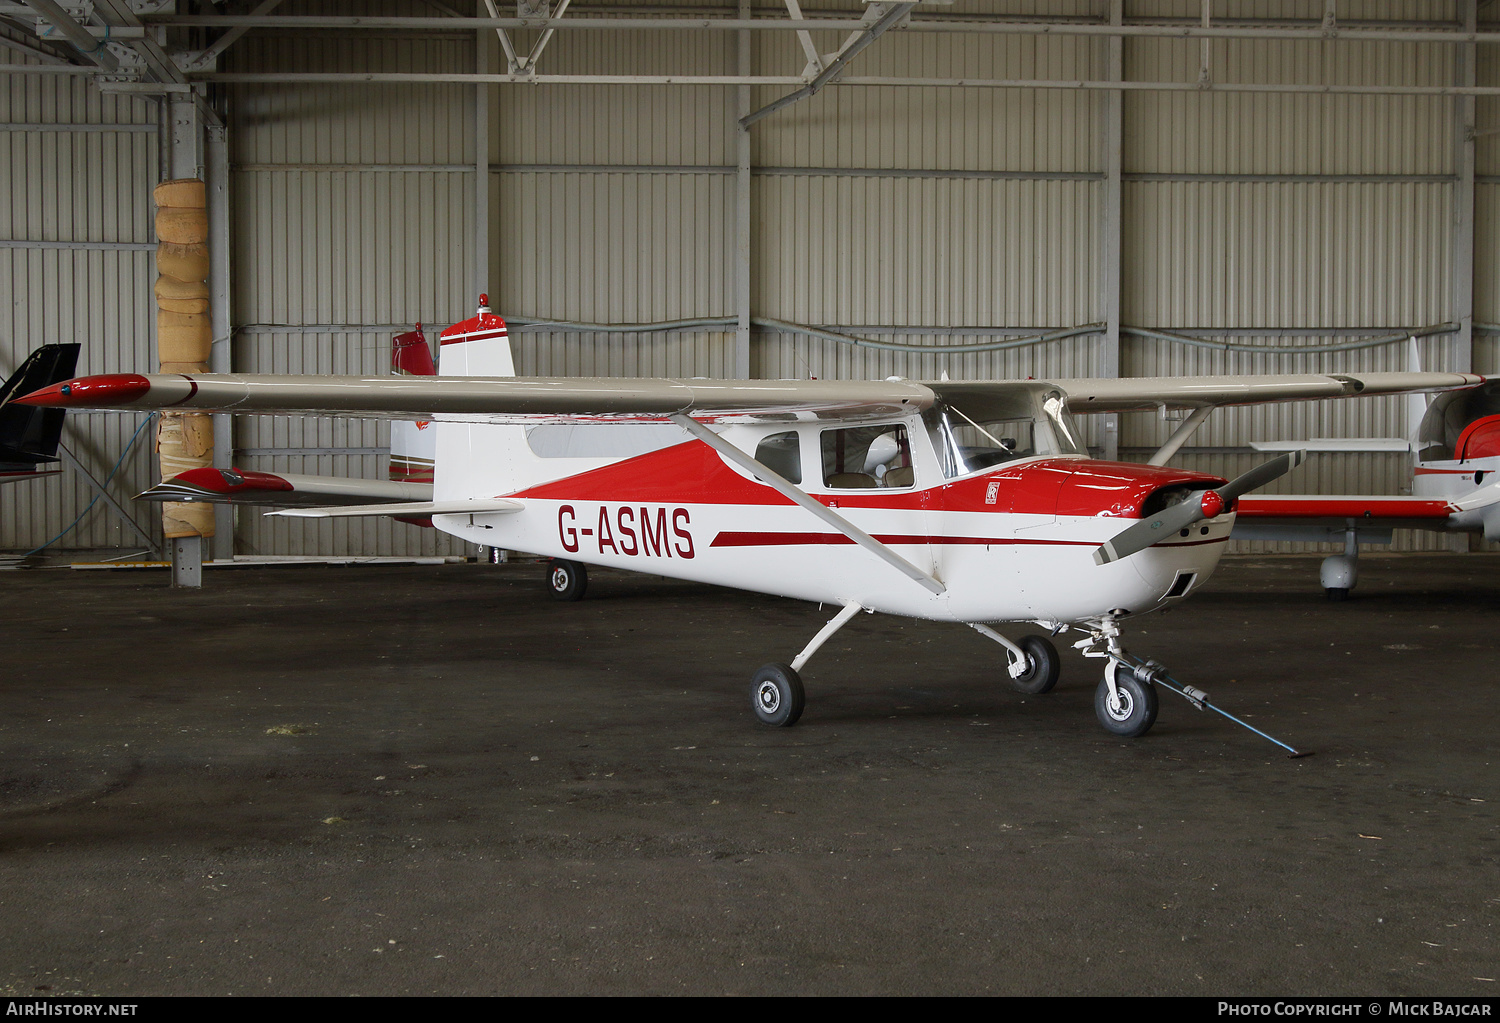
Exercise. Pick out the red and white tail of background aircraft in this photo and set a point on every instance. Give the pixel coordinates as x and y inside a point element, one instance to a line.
<point>972,502</point>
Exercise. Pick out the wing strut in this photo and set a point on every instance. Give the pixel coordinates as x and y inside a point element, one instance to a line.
<point>1180,436</point>
<point>798,496</point>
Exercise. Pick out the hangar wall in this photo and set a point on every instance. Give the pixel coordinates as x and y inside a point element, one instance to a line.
<point>921,217</point>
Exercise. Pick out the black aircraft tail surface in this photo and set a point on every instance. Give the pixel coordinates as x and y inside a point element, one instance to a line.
<point>29,436</point>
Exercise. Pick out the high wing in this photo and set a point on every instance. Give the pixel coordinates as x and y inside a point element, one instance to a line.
<point>532,399</point>
<point>492,399</point>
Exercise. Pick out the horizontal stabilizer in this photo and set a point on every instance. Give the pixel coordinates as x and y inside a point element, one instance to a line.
<point>412,509</point>
<point>249,487</point>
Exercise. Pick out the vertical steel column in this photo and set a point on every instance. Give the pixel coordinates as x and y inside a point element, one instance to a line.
<point>186,155</point>
<point>481,173</point>
<point>216,156</point>
<point>742,206</point>
<point>1461,355</point>
<point>1110,254</point>
<point>1461,347</point>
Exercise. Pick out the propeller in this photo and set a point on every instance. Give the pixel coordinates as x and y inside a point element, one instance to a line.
<point>1155,528</point>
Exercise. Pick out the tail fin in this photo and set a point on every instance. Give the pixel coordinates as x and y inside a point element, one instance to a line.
<point>29,435</point>
<point>477,347</point>
<point>410,355</point>
<point>413,445</point>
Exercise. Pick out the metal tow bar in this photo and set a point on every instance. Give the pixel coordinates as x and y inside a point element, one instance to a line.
<point>1199,699</point>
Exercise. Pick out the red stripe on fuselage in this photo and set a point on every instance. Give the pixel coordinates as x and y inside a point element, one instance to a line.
<point>734,539</point>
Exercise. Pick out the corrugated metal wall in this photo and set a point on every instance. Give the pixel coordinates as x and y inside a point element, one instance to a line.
<point>926,217</point>
<point>77,262</point>
<point>353,207</point>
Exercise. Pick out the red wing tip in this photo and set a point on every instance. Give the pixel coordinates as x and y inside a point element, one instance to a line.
<point>230,481</point>
<point>111,389</point>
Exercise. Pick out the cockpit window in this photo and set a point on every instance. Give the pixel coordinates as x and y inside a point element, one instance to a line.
<point>1000,428</point>
<point>867,458</point>
<point>1449,413</point>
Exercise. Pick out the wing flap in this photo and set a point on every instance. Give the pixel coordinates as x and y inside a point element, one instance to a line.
<point>1129,394</point>
<point>409,509</point>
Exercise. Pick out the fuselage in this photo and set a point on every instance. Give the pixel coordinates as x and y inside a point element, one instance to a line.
<point>1012,541</point>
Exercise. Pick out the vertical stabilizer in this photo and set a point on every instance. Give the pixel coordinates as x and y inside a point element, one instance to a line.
<point>477,347</point>
<point>30,435</point>
<point>472,460</point>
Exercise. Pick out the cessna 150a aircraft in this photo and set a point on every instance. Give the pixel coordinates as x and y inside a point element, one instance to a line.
<point>971,502</point>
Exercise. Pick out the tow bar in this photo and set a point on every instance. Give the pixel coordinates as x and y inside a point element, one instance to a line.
<point>1199,699</point>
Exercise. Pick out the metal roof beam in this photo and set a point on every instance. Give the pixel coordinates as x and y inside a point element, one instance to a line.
<point>1315,31</point>
<point>882,18</point>
<point>90,49</point>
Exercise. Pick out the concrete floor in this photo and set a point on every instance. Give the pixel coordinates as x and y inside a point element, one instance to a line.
<point>435,780</point>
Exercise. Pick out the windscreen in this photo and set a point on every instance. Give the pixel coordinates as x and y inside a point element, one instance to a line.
<point>970,433</point>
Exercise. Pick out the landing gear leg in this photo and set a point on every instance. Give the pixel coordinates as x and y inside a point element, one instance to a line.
<point>1034,666</point>
<point>776,693</point>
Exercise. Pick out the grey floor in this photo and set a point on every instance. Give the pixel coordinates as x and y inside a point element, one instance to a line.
<point>435,780</point>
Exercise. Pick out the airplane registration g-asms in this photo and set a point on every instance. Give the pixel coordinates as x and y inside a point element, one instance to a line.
<point>972,502</point>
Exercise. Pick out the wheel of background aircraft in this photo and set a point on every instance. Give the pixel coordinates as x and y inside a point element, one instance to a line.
<point>777,695</point>
<point>567,580</point>
<point>1137,711</point>
<point>1042,666</point>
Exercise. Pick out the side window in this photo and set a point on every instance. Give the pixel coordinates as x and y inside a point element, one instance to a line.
<point>781,453</point>
<point>866,458</point>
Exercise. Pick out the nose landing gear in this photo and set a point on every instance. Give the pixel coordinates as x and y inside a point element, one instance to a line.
<point>1125,702</point>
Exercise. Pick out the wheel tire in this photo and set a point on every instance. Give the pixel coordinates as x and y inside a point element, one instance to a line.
<point>566,580</point>
<point>776,694</point>
<point>1338,593</point>
<point>1042,666</point>
<point>1137,711</point>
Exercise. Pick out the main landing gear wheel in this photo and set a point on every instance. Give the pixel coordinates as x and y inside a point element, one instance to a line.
<point>566,580</point>
<point>777,696</point>
<point>1042,666</point>
<point>1136,711</point>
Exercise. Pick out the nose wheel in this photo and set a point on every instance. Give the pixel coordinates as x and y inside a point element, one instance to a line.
<point>1128,706</point>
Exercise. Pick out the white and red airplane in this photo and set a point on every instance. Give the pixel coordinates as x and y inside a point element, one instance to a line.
<point>1455,488</point>
<point>972,502</point>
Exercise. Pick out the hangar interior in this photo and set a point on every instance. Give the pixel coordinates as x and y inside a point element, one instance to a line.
<point>987,189</point>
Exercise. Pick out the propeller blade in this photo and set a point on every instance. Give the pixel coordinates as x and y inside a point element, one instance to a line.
<point>1261,475</point>
<point>1150,530</point>
<point>1155,528</point>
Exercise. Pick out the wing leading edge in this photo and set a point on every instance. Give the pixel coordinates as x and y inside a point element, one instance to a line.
<point>533,399</point>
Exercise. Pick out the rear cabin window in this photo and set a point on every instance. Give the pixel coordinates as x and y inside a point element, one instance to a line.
<point>866,458</point>
<point>782,454</point>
